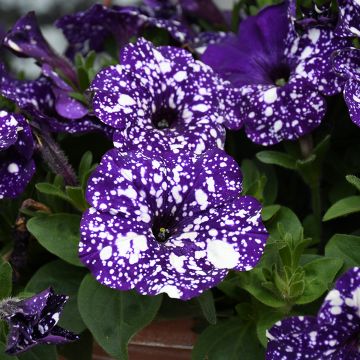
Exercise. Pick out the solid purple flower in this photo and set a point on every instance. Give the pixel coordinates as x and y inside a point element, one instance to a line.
<point>281,74</point>
<point>169,223</point>
<point>16,150</point>
<point>25,39</point>
<point>333,334</point>
<point>162,99</point>
<point>33,321</point>
<point>349,18</point>
<point>347,64</point>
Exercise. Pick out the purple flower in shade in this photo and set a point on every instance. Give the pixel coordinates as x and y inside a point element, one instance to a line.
<point>33,321</point>
<point>347,64</point>
<point>349,18</point>
<point>169,224</point>
<point>25,39</point>
<point>161,99</point>
<point>46,101</point>
<point>16,150</point>
<point>89,30</point>
<point>333,334</point>
<point>281,75</point>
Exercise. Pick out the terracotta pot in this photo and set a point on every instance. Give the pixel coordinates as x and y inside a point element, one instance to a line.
<point>161,340</point>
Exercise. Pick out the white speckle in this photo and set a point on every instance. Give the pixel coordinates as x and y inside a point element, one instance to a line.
<point>210,184</point>
<point>200,107</point>
<point>56,317</point>
<point>314,35</point>
<point>13,168</point>
<point>278,125</point>
<point>201,198</point>
<point>306,53</point>
<point>177,262</point>
<point>222,255</point>
<point>105,253</point>
<point>171,290</point>
<point>268,111</point>
<point>180,76</point>
<point>14,46</point>
<point>335,310</point>
<point>126,100</point>
<point>270,95</point>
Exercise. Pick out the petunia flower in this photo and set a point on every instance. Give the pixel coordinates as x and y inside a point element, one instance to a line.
<point>25,39</point>
<point>349,18</point>
<point>170,224</point>
<point>347,64</point>
<point>16,150</point>
<point>47,101</point>
<point>281,75</point>
<point>33,321</point>
<point>161,99</point>
<point>89,30</point>
<point>333,334</point>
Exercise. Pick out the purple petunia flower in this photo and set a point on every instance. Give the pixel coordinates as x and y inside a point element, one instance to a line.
<point>169,224</point>
<point>33,321</point>
<point>89,30</point>
<point>161,99</point>
<point>347,64</point>
<point>16,149</point>
<point>333,334</point>
<point>281,74</point>
<point>25,39</point>
<point>349,18</point>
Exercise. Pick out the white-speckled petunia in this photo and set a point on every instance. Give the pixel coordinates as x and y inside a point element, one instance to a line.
<point>170,224</point>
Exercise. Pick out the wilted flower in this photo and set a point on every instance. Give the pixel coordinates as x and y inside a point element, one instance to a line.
<point>161,99</point>
<point>169,224</point>
<point>16,150</point>
<point>33,321</point>
<point>333,334</point>
<point>282,75</point>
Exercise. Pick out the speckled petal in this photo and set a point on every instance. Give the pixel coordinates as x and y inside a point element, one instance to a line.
<point>8,129</point>
<point>293,339</point>
<point>283,113</point>
<point>311,52</point>
<point>349,18</point>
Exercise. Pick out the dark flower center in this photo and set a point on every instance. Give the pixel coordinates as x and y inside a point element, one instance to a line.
<point>280,75</point>
<point>164,118</point>
<point>162,229</point>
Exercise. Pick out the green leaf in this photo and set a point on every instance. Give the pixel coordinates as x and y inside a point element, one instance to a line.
<point>4,356</point>
<point>353,180</point>
<point>269,211</point>
<point>5,280</point>
<point>50,189</point>
<point>85,165</point>
<point>230,339</point>
<point>59,234</point>
<point>319,275</point>
<point>277,158</point>
<point>112,316</point>
<point>40,352</point>
<point>206,301</point>
<point>343,207</point>
<point>254,282</point>
<point>65,279</point>
<point>289,221</point>
<point>345,247</point>
<point>77,196</point>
